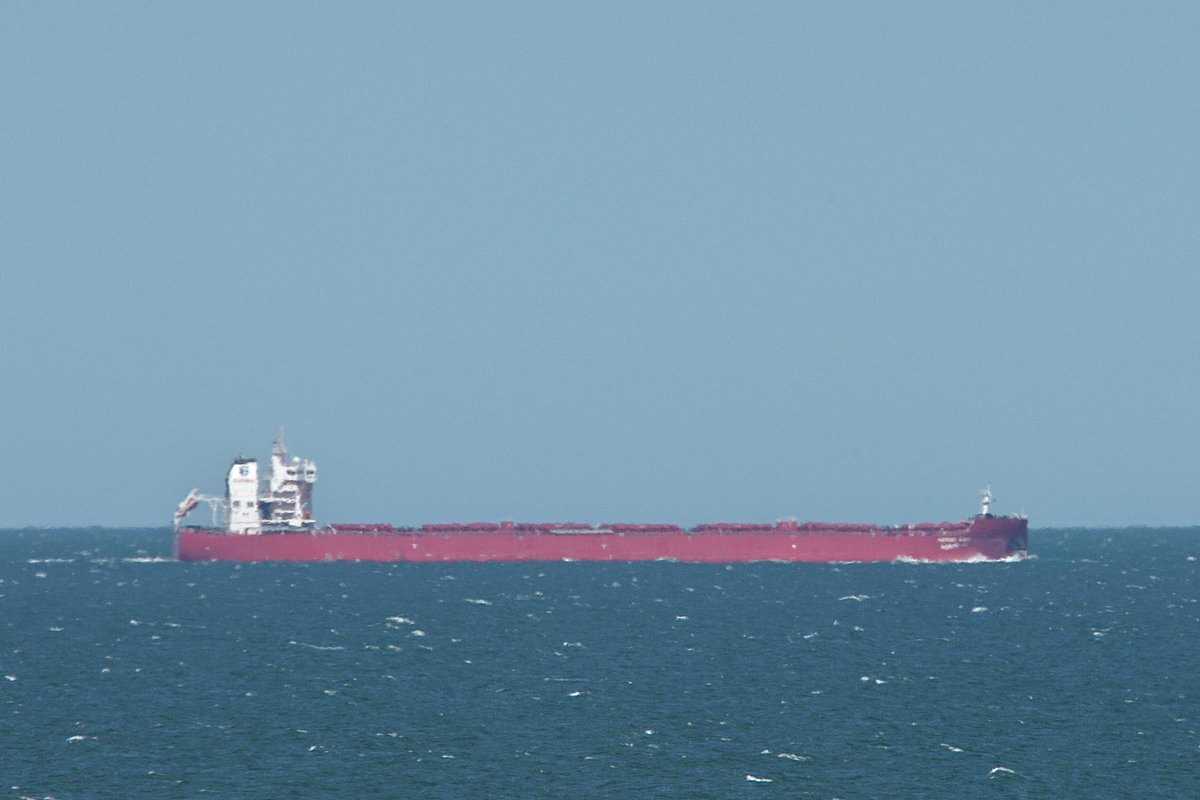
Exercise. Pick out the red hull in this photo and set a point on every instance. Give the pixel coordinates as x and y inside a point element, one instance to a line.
<point>980,539</point>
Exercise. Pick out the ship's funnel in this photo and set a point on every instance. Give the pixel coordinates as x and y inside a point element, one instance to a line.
<point>241,491</point>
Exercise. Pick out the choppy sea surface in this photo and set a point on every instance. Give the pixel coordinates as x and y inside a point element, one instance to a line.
<point>1072,674</point>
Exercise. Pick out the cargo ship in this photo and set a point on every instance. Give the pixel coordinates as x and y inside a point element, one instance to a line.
<point>272,520</point>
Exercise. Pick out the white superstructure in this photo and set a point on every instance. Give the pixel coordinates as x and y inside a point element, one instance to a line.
<point>283,501</point>
<point>288,502</point>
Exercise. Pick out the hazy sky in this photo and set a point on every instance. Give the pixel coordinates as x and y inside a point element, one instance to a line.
<point>676,262</point>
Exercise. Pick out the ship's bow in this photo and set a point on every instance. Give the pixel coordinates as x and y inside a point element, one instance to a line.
<point>1001,537</point>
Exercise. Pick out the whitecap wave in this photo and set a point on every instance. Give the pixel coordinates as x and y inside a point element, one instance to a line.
<point>316,646</point>
<point>973,559</point>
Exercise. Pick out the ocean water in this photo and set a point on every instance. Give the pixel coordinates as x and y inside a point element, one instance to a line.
<point>1073,674</point>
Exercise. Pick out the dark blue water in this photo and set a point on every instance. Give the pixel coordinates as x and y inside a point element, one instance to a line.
<point>123,674</point>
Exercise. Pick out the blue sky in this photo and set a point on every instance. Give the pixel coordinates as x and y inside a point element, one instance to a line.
<point>600,262</point>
